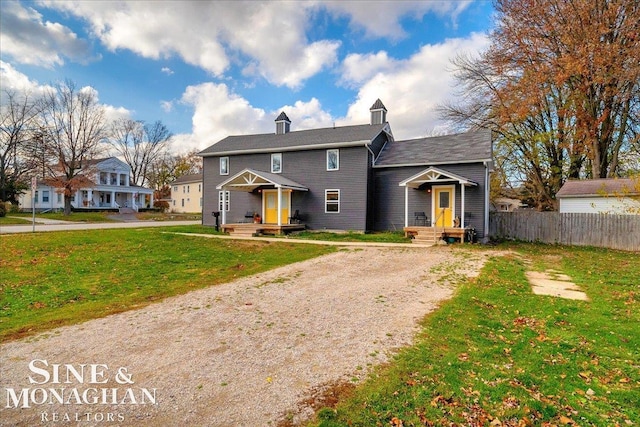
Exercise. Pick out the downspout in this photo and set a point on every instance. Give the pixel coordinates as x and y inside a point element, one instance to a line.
<point>487,185</point>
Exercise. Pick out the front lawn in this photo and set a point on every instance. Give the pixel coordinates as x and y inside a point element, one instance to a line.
<point>73,217</point>
<point>496,354</point>
<point>60,278</point>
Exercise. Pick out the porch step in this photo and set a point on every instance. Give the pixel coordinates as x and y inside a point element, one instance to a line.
<point>423,239</point>
<point>126,211</point>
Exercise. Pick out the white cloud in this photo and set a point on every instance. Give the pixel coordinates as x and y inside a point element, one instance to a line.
<point>266,38</point>
<point>411,89</point>
<point>219,113</point>
<point>382,18</point>
<point>358,68</point>
<point>167,106</point>
<point>13,80</point>
<point>29,40</point>
<point>168,71</point>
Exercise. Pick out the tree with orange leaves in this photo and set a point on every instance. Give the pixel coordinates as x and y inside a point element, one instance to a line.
<point>560,85</point>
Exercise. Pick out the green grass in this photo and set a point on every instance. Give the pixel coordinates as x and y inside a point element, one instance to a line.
<point>61,278</point>
<point>381,237</point>
<point>74,216</point>
<point>6,220</point>
<point>497,353</point>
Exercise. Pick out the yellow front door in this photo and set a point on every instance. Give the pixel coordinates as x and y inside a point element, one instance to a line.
<point>271,206</point>
<point>443,207</point>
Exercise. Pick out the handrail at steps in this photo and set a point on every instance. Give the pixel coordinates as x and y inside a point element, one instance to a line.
<point>435,225</point>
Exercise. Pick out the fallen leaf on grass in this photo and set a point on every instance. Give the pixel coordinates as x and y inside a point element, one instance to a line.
<point>566,420</point>
<point>396,422</point>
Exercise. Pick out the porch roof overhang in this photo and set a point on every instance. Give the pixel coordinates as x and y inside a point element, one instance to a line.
<point>249,179</point>
<point>435,176</point>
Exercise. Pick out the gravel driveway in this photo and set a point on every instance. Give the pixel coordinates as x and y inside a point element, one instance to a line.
<point>246,353</point>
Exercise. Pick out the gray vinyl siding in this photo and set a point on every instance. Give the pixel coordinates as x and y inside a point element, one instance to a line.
<point>390,197</point>
<point>307,168</point>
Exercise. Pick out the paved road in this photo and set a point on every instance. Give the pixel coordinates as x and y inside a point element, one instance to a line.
<point>67,226</point>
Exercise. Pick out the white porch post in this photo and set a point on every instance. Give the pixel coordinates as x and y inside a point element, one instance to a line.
<point>462,205</point>
<point>78,199</point>
<point>90,197</point>
<point>113,199</point>
<point>406,205</point>
<point>151,200</point>
<point>224,205</point>
<point>279,206</point>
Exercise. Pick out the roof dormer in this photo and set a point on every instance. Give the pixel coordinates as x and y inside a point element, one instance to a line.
<point>283,124</point>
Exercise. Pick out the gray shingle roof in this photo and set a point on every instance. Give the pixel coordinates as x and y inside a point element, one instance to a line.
<point>304,139</point>
<point>282,116</point>
<point>378,105</point>
<point>459,148</point>
<point>196,177</point>
<point>598,187</point>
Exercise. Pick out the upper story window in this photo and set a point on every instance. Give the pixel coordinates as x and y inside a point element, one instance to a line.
<point>104,180</point>
<point>333,159</point>
<point>188,186</point>
<point>224,166</point>
<point>175,188</point>
<point>199,188</point>
<point>276,163</point>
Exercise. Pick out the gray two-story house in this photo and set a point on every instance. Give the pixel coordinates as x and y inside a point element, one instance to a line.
<point>349,178</point>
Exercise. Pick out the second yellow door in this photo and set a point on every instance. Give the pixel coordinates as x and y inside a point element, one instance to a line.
<point>271,206</point>
<point>443,207</point>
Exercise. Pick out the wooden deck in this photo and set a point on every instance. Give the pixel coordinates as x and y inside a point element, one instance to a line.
<point>421,234</point>
<point>250,229</point>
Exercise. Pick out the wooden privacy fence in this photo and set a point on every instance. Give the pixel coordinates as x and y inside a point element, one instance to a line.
<point>582,229</point>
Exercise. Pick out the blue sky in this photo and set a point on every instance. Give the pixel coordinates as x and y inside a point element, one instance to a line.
<point>212,69</point>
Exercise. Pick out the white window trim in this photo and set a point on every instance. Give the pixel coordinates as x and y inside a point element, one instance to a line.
<point>337,151</point>
<point>273,156</point>
<point>226,161</point>
<point>326,201</point>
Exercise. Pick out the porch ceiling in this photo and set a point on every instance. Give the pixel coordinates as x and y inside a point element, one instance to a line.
<point>249,179</point>
<point>435,176</point>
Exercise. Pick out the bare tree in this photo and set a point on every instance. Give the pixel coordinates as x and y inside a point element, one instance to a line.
<point>72,125</point>
<point>560,85</point>
<point>140,145</point>
<point>18,113</point>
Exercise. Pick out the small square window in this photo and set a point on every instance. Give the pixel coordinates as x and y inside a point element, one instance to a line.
<point>224,166</point>
<point>276,163</point>
<point>333,160</point>
<point>332,201</point>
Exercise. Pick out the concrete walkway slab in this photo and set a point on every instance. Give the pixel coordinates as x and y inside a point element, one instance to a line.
<point>555,284</point>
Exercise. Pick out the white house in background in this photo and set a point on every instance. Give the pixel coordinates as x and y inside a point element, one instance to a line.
<point>186,194</point>
<point>505,204</point>
<point>112,189</point>
<point>612,195</point>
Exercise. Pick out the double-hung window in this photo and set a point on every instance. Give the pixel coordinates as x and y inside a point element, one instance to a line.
<point>332,201</point>
<point>224,166</point>
<point>333,159</point>
<point>276,163</point>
